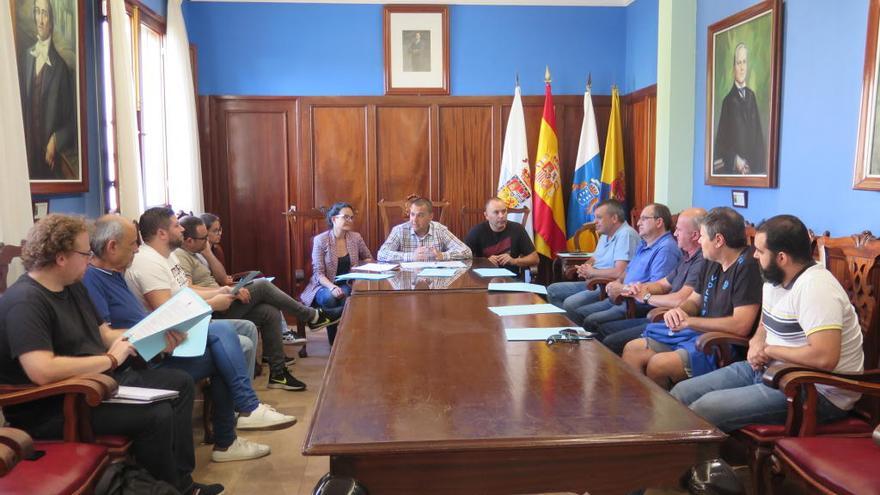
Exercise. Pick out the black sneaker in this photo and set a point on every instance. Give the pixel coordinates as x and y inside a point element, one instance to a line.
<point>286,381</point>
<point>287,359</point>
<point>324,319</point>
<point>200,489</point>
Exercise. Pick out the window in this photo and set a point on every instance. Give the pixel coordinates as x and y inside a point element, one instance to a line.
<point>147,34</point>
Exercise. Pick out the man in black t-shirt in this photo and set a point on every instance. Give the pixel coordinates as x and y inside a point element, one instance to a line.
<point>50,331</point>
<point>727,299</point>
<point>506,244</point>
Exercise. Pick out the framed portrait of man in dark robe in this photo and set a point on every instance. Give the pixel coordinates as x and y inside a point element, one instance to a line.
<point>867,163</point>
<point>743,97</point>
<point>50,57</point>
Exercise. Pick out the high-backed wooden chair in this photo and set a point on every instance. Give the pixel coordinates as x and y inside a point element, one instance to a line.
<point>311,222</point>
<point>7,254</point>
<point>396,212</point>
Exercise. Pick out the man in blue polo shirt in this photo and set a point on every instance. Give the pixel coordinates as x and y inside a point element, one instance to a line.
<point>617,246</point>
<point>114,243</point>
<point>657,255</point>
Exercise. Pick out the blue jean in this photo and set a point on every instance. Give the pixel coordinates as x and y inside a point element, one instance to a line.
<point>615,334</point>
<point>324,299</point>
<point>247,338</point>
<point>734,396</point>
<point>571,296</point>
<point>231,388</point>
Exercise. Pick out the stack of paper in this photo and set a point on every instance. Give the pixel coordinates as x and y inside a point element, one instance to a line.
<point>140,395</point>
<point>437,272</point>
<point>494,272</point>
<point>364,276</point>
<point>518,287</point>
<point>377,267</point>
<point>185,312</point>
<point>574,254</point>
<point>525,309</point>
<point>411,265</point>
<point>533,333</point>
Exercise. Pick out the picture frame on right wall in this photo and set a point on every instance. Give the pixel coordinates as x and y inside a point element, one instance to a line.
<point>866,174</point>
<point>744,60</point>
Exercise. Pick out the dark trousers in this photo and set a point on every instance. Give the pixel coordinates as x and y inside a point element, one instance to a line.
<point>161,432</point>
<point>326,300</point>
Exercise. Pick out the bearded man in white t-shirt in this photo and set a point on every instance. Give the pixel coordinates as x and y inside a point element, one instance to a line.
<point>806,319</point>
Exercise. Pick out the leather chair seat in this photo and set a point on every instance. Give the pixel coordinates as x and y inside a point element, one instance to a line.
<point>117,445</point>
<point>850,426</point>
<point>843,465</point>
<point>66,468</point>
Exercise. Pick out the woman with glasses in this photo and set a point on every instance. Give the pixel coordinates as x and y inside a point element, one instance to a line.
<point>334,253</point>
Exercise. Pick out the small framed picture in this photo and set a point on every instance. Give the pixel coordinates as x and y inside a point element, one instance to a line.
<point>739,198</point>
<point>416,42</point>
<point>41,209</point>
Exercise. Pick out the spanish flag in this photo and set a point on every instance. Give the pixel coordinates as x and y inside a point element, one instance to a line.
<point>549,213</point>
<point>613,179</point>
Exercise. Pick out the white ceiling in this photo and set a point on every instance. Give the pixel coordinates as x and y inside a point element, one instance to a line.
<point>537,3</point>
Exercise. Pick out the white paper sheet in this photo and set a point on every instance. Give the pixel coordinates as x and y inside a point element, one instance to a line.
<point>533,333</point>
<point>437,272</point>
<point>518,287</point>
<point>377,267</point>
<point>494,272</point>
<point>364,276</point>
<point>412,265</point>
<point>525,309</point>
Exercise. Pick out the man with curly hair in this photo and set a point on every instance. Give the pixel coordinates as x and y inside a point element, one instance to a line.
<point>50,331</point>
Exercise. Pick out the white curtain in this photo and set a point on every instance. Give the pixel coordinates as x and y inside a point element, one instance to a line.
<point>181,124</point>
<point>127,147</point>
<point>16,216</point>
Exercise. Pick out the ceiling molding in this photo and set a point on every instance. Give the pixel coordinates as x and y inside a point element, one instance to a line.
<point>533,3</point>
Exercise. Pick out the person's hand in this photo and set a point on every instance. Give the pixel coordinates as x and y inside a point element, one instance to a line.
<point>633,290</point>
<point>494,260</point>
<point>120,349</point>
<point>221,302</point>
<point>423,253</point>
<point>173,338</point>
<point>676,319</point>
<point>757,357</point>
<point>224,290</point>
<point>585,270</point>
<point>615,288</point>
<point>229,280</point>
<point>50,152</point>
<point>504,259</point>
<point>244,295</point>
<point>436,254</point>
<point>337,292</point>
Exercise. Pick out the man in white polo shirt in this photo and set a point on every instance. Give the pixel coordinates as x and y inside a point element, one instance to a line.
<point>806,319</point>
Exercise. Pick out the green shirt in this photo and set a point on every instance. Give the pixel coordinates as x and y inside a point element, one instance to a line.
<point>196,268</point>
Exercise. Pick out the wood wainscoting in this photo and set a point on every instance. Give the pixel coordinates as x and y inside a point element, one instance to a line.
<point>262,154</point>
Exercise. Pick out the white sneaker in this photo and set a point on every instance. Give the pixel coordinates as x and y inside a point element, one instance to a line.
<point>290,338</point>
<point>264,417</point>
<point>241,450</point>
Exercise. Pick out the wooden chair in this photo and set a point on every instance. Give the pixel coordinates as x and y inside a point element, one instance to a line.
<point>398,211</point>
<point>469,214</point>
<point>825,464</point>
<point>311,221</point>
<point>63,468</point>
<point>7,254</point>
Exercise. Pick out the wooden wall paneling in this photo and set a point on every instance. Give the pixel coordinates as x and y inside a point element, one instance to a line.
<point>404,163</point>
<point>255,150</point>
<point>640,130</point>
<point>466,153</point>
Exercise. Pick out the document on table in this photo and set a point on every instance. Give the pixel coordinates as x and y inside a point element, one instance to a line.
<point>494,272</point>
<point>437,272</point>
<point>518,287</point>
<point>140,395</point>
<point>432,264</point>
<point>574,254</point>
<point>364,276</point>
<point>377,267</point>
<point>525,309</point>
<point>185,312</point>
<point>533,333</point>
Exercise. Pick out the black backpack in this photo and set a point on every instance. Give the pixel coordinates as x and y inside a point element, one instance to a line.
<point>123,478</point>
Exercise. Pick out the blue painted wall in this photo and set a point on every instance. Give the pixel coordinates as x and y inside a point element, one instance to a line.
<point>823,57</point>
<point>641,45</point>
<point>312,49</point>
<point>88,203</point>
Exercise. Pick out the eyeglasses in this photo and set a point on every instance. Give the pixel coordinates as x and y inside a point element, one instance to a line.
<point>87,254</point>
<point>199,238</point>
<point>347,218</point>
<point>648,217</point>
<point>570,336</point>
<point>216,231</point>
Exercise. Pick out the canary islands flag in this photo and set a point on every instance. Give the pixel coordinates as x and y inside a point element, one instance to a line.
<point>549,209</point>
<point>585,186</point>
<point>613,180</point>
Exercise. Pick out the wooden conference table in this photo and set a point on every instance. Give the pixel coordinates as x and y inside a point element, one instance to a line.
<point>409,280</point>
<point>423,394</point>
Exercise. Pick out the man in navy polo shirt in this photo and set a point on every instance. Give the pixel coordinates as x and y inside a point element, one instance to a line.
<point>114,243</point>
<point>657,255</point>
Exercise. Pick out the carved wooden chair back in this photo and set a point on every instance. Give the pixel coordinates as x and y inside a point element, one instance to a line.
<point>7,254</point>
<point>396,212</point>
<point>579,235</point>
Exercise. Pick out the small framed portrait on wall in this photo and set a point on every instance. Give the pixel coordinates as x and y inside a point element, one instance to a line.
<point>416,42</point>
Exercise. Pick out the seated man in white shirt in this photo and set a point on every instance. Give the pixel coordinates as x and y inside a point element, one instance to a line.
<point>422,239</point>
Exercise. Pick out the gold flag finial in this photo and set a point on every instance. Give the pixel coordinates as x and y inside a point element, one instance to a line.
<point>547,74</point>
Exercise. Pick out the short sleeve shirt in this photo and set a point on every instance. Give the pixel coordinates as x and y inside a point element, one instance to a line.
<point>195,269</point>
<point>112,298</point>
<point>485,242</point>
<point>33,318</point>
<point>150,271</point>
<point>722,291</point>
<point>687,272</point>
<point>621,246</point>
<point>654,262</point>
<point>815,302</point>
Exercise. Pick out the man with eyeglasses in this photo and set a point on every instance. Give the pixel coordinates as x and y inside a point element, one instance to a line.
<point>259,303</point>
<point>50,331</point>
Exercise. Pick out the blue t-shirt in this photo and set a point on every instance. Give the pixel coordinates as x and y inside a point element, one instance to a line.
<point>115,303</point>
<point>651,263</point>
<point>621,246</point>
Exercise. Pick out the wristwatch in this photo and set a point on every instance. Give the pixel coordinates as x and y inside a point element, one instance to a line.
<point>647,297</point>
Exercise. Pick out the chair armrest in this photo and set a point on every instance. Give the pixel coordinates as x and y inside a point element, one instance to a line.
<point>17,440</point>
<point>94,388</point>
<point>595,282</point>
<point>656,315</point>
<point>876,435</point>
<point>777,371</point>
<point>709,341</point>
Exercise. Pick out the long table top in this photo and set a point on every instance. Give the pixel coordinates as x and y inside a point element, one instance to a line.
<point>405,280</point>
<point>433,371</point>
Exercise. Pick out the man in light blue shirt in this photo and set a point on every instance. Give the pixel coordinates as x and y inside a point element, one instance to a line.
<point>656,256</point>
<point>617,246</point>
